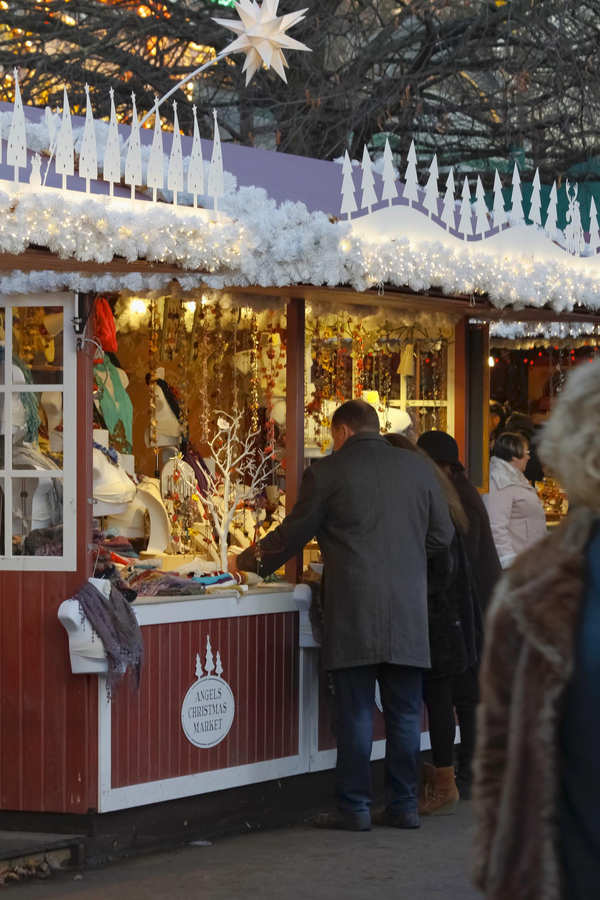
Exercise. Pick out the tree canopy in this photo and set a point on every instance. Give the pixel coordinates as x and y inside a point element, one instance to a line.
<point>479,82</point>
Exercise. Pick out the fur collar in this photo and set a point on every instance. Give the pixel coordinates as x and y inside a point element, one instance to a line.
<point>543,590</point>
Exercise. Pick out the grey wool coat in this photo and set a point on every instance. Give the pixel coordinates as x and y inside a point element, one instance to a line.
<point>376,512</point>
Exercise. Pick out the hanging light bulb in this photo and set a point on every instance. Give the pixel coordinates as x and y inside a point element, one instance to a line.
<point>491,362</point>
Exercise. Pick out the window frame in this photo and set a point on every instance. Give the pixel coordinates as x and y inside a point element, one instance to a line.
<point>68,561</point>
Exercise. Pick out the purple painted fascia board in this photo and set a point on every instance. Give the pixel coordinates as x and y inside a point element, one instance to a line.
<point>316,183</point>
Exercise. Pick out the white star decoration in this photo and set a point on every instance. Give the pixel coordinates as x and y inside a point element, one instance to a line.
<point>262,35</point>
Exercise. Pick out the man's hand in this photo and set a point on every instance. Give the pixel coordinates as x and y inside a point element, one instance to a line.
<point>232,564</point>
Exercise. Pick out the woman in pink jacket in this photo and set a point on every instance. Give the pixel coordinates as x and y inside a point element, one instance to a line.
<point>515,510</point>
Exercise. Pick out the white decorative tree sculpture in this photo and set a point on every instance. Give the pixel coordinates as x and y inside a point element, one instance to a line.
<point>550,225</point>
<point>449,208</point>
<point>466,223</point>
<point>219,667</point>
<point>535,210</point>
<point>348,197</point>
<point>369,197</point>
<point>16,151</point>
<point>195,176</point>
<point>199,672</point>
<point>516,212</point>
<point>431,189</point>
<point>156,173</point>
<point>481,211</point>
<point>175,170</point>
<point>390,190</point>
<point>133,160</point>
<point>88,156</point>
<point>65,164</point>
<point>50,123</point>
<point>111,169</point>
<point>499,212</point>
<point>216,184</point>
<point>241,472</point>
<point>594,231</point>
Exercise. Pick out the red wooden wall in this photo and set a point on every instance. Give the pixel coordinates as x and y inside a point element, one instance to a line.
<point>48,717</point>
<point>260,656</point>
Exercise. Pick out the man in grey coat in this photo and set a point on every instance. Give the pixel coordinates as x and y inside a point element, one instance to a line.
<point>376,512</point>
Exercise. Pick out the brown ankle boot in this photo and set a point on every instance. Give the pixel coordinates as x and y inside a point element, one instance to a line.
<point>440,797</point>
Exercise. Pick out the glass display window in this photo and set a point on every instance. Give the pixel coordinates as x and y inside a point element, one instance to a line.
<point>37,433</point>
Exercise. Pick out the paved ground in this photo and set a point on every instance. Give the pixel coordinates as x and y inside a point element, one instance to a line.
<point>290,864</point>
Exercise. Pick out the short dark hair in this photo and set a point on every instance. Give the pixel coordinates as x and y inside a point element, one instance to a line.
<point>509,445</point>
<point>357,415</point>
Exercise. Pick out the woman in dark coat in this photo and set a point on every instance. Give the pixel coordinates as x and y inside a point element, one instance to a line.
<point>479,571</point>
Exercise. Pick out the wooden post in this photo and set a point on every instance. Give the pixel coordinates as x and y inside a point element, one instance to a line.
<point>460,390</point>
<point>294,404</point>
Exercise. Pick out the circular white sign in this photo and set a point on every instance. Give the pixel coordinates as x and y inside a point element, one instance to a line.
<point>207,711</point>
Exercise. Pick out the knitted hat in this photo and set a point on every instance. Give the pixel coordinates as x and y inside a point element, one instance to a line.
<point>441,447</point>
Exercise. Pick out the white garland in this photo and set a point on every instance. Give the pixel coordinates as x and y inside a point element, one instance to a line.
<point>269,245</point>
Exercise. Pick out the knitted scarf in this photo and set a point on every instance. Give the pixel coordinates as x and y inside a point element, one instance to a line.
<point>114,622</point>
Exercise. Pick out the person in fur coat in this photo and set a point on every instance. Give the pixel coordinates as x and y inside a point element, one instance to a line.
<point>537,791</point>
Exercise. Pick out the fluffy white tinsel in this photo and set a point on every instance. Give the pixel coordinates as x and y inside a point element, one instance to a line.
<point>269,245</point>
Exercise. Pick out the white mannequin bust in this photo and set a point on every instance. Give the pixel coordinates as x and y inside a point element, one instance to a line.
<point>113,489</point>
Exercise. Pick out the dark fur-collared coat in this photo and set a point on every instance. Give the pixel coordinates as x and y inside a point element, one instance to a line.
<point>527,663</point>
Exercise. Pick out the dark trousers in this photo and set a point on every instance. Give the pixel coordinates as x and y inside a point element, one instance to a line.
<point>401,698</point>
<point>442,697</point>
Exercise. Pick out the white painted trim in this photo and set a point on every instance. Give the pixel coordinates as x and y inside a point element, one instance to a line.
<point>200,783</point>
<point>68,387</point>
<point>209,606</point>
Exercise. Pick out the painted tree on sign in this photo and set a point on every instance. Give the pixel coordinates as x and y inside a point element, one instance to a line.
<point>466,223</point>
<point>449,208</point>
<point>411,180</point>
<point>133,160</point>
<point>431,189</point>
<point>195,178</point>
<point>498,212</point>
<point>88,156</point>
<point>199,672</point>
<point>209,664</point>
<point>369,197</point>
<point>390,189</point>
<point>348,196</point>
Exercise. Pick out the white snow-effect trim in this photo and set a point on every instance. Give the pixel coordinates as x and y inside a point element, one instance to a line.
<point>257,242</point>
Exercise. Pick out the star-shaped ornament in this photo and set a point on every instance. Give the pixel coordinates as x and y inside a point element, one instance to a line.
<point>262,35</point>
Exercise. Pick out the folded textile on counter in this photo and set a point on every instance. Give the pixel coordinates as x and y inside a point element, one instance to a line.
<point>114,621</point>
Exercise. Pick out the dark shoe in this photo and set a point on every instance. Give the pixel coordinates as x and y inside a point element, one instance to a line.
<point>407,819</point>
<point>343,821</point>
<point>464,787</point>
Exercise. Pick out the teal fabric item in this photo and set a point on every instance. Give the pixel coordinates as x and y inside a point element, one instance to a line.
<point>30,401</point>
<point>117,407</point>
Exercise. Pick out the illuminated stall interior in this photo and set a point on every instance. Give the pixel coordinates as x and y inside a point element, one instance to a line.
<point>179,380</point>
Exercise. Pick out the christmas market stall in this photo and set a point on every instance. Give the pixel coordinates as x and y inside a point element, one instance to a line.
<point>178,321</point>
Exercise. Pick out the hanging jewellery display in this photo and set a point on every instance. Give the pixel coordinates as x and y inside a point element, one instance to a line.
<point>152,363</point>
<point>253,398</point>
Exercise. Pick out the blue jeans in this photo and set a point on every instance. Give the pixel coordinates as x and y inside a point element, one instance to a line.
<point>402,701</point>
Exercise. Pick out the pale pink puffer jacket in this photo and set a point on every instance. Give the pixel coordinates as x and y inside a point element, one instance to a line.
<point>515,510</point>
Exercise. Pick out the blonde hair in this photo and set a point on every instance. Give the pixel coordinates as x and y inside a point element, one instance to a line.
<point>570,441</point>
